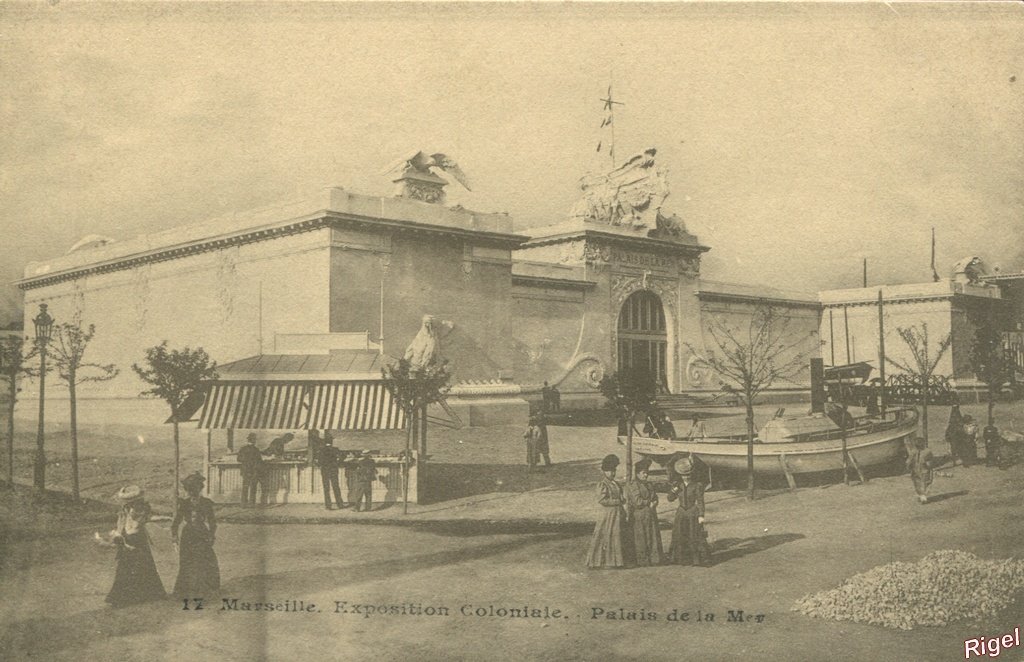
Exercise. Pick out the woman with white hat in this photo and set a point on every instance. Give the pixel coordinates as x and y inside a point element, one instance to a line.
<point>689,541</point>
<point>135,579</point>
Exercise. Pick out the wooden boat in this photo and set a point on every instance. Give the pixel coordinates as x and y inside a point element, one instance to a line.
<point>798,445</point>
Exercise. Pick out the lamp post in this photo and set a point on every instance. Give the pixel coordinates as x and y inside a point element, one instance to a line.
<point>44,327</point>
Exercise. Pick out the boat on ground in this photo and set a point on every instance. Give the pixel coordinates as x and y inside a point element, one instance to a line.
<point>806,444</point>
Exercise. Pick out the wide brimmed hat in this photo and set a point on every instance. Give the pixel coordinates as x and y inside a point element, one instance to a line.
<point>683,466</point>
<point>129,493</point>
<point>609,462</point>
<point>193,479</point>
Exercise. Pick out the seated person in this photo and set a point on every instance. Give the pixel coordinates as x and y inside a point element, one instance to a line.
<point>276,447</point>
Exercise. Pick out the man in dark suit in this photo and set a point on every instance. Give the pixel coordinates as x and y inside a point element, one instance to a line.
<point>364,475</point>
<point>330,460</point>
<point>251,461</point>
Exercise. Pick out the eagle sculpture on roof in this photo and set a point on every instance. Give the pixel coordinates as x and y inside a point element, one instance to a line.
<point>425,164</point>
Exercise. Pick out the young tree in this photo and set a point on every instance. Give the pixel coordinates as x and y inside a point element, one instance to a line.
<point>13,366</point>
<point>175,376</point>
<point>988,359</point>
<point>67,348</point>
<point>922,364</point>
<point>413,390</point>
<point>750,357</point>
<point>627,393</point>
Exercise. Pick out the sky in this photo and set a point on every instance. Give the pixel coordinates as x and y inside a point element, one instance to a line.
<point>799,139</point>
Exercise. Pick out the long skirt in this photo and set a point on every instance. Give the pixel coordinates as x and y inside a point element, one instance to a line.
<point>606,547</point>
<point>689,542</point>
<point>135,579</point>
<point>198,570</point>
<point>647,537</point>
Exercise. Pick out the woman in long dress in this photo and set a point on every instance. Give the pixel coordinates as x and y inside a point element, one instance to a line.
<point>135,579</point>
<point>689,542</point>
<point>198,571</point>
<point>955,433</point>
<point>606,547</point>
<point>642,502</point>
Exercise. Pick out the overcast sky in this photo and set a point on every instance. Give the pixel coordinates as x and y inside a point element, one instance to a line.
<point>799,138</point>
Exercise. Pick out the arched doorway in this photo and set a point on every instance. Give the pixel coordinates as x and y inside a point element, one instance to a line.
<point>643,340</point>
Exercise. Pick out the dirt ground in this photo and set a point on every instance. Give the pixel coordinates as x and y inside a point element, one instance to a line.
<point>492,537</point>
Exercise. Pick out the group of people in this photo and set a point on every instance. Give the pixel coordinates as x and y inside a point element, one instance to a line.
<point>658,425</point>
<point>136,579</point>
<point>327,457</point>
<point>551,397</point>
<point>962,437</point>
<point>627,533</point>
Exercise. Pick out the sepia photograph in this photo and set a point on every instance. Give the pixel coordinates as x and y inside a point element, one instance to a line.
<point>511,331</point>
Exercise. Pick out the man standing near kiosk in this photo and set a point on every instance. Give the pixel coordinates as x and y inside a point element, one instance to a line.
<point>330,460</point>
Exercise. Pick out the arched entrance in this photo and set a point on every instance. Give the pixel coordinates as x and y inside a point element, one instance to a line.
<point>643,340</point>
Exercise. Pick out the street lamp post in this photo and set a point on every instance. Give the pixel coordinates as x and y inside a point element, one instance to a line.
<point>44,327</point>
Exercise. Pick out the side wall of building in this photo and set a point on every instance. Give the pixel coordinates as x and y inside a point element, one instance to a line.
<point>231,302</point>
<point>456,281</point>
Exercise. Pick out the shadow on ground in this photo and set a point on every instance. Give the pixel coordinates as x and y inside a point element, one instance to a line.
<point>728,549</point>
<point>447,481</point>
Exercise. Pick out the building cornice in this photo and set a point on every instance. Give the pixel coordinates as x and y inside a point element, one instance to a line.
<point>309,223</point>
<point>751,298</point>
<point>641,243</point>
<point>543,281</point>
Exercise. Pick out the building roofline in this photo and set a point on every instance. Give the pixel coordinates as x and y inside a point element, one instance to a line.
<point>647,243</point>
<point>302,224</point>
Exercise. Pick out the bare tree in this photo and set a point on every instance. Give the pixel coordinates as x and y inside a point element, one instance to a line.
<point>923,363</point>
<point>13,367</point>
<point>627,393</point>
<point>176,377</point>
<point>749,358</point>
<point>413,390</point>
<point>68,346</point>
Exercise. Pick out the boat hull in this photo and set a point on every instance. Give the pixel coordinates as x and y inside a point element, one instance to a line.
<point>797,457</point>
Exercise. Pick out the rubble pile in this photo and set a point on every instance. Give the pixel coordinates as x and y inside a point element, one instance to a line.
<point>942,587</point>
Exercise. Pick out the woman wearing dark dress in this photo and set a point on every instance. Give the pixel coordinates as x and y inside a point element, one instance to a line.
<point>689,542</point>
<point>198,571</point>
<point>135,579</point>
<point>606,547</point>
<point>642,502</point>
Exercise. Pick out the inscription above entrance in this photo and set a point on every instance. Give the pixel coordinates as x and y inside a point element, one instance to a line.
<point>635,259</point>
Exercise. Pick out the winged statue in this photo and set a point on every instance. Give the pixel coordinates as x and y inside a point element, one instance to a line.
<point>423,163</point>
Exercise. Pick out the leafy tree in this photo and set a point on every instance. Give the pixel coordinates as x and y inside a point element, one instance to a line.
<point>749,358</point>
<point>627,393</point>
<point>67,348</point>
<point>988,359</point>
<point>414,390</point>
<point>922,364</point>
<point>13,367</point>
<point>175,376</point>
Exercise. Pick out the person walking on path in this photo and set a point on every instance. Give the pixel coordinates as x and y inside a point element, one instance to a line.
<point>920,463</point>
<point>330,461</point>
<point>136,579</point>
<point>606,545</point>
<point>364,475</point>
<point>198,570</point>
<point>689,540</point>
<point>542,448</point>
<point>642,506</point>
<point>532,437</point>
<point>251,460</point>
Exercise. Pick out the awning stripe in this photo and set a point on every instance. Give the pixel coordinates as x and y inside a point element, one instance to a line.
<point>335,405</point>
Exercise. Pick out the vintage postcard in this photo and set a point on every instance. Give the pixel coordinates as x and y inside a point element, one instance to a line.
<point>511,331</point>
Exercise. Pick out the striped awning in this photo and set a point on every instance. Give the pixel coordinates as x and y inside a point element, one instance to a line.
<point>305,405</point>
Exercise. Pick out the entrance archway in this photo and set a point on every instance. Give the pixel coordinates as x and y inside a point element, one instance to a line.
<point>642,336</point>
